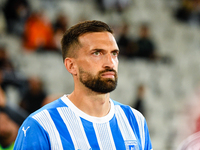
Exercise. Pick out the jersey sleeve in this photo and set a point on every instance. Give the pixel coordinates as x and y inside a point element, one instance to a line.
<point>143,130</point>
<point>148,145</point>
<point>31,136</point>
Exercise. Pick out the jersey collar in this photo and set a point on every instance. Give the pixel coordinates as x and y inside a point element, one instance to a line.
<point>85,116</point>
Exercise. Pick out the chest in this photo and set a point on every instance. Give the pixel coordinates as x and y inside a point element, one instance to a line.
<point>80,134</point>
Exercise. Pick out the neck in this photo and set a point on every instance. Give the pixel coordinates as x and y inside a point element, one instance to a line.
<point>92,103</point>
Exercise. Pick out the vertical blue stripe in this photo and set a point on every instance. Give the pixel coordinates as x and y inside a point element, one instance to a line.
<point>133,122</point>
<point>62,129</point>
<point>90,133</point>
<point>148,144</point>
<point>117,136</point>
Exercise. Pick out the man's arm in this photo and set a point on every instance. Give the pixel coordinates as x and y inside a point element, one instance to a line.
<point>32,136</point>
<point>148,145</point>
<point>143,129</point>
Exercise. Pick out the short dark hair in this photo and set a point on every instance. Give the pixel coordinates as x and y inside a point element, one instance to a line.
<point>70,37</point>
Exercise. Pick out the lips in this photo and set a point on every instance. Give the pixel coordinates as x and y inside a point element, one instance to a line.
<point>108,74</point>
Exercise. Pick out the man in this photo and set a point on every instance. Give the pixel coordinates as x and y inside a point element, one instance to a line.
<point>8,128</point>
<point>146,47</point>
<point>87,119</point>
<point>10,120</point>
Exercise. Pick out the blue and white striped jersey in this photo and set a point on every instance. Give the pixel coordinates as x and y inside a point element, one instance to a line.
<point>60,125</point>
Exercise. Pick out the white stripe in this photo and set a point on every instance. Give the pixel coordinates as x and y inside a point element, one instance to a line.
<point>127,132</point>
<point>75,128</point>
<point>97,135</point>
<point>45,120</point>
<point>111,137</point>
<point>83,131</point>
<point>104,136</point>
<point>140,121</point>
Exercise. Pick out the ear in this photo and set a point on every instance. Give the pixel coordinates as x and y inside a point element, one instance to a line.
<point>70,65</point>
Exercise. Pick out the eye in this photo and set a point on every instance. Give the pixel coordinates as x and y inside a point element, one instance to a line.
<point>115,53</point>
<point>96,53</point>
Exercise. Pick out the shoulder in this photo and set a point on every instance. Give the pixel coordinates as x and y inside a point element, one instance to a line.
<point>131,113</point>
<point>30,135</point>
<point>127,108</point>
<point>44,113</point>
<point>51,106</point>
<point>35,129</point>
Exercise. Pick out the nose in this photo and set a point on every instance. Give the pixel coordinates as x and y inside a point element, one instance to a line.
<point>109,61</point>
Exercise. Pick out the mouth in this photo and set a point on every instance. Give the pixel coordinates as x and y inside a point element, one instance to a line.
<point>108,74</point>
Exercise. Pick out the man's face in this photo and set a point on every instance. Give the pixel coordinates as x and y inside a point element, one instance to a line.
<point>98,61</point>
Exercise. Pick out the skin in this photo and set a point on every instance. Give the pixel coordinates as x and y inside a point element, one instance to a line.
<point>8,130</point>
<point>98,51</point>
<point>2,98</point>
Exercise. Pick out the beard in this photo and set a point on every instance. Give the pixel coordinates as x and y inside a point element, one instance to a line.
<point>97,83</point>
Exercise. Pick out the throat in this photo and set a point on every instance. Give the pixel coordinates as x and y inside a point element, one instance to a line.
<point>99,109</point>
<point>92,106</point>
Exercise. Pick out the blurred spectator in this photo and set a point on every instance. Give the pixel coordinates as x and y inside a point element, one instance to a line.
<point>146,47</point>
<point>11,116</point>
<point>60,25</point>
<point>8,132</point>
<point>184,11</point>
<point>189,12</point>
<point>34,96</point>
<point>126,44</point>
<point>10,75</point>
<point>10,120</point>
<point>139,102</point>
<point>5,63</point>
<point>16,12</point>
<point>17,114</point>
<point>142,47</point>
<point>38,33</point>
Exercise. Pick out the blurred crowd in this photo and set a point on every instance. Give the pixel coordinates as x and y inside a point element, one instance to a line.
<point>22,21</point>
<point>39,34</point>
<point>141,46</point>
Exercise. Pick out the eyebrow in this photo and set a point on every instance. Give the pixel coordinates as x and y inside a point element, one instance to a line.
<point>99,49</point>
<point>117,50</point>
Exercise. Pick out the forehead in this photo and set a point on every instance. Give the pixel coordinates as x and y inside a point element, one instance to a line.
<point>98,40</point>
<point>97,35</point>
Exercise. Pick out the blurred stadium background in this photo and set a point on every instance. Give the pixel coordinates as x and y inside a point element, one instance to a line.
<point>172,93</point>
